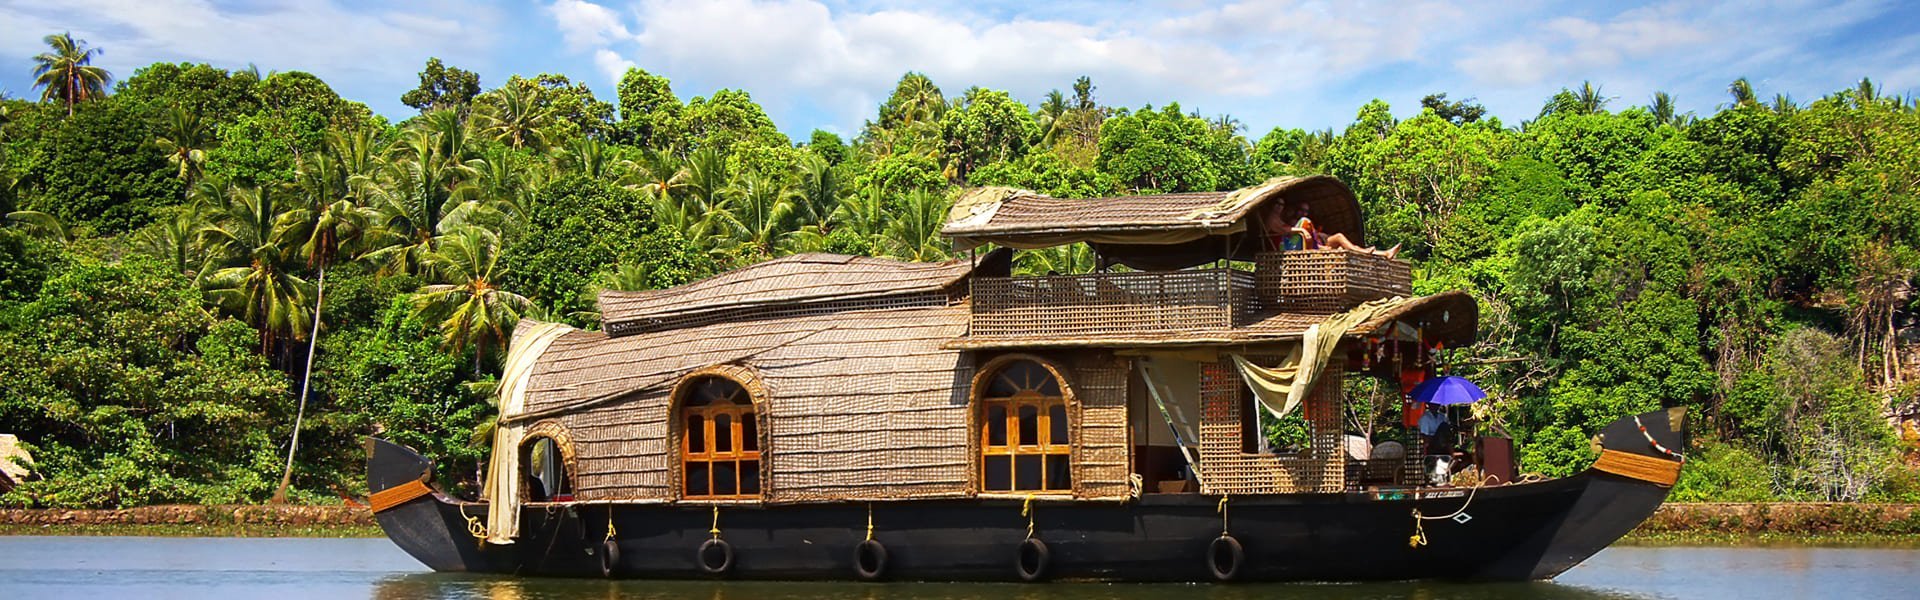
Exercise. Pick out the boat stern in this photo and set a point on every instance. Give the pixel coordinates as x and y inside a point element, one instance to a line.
<point>420,520</point>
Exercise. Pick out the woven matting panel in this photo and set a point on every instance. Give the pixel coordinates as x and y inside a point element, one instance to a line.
<point>1329,281</point>
<point>800,277</point>
<point>861,403</point>
<point>1100,304</point>
<point>1225,469</point>
<point>1101,459</point>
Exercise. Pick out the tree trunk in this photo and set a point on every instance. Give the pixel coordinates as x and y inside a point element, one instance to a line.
<point>306,385</point>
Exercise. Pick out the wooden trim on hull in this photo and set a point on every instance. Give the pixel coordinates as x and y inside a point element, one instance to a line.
<point>1516,532</point>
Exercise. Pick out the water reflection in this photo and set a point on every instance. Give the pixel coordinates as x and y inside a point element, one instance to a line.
<point>436,586</point>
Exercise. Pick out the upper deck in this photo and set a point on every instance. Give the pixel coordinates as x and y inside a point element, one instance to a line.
<point>1283,294</point>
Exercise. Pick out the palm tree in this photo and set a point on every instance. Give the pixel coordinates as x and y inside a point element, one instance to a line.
<point>1052,111</point>
<point>1742,92</point>
<point>186,140</point>
<point>866,214</point>
<point>41,224</point>
<point>592,158</point>
<point>757,215</point>
<point>1783,104</point>
<point>516,118</point>
<point>818,192</point>
<point>176,240</point>
<point>465,304</point>
<point>1662,108</point>
<point>1865,93</point>
<point>914,233</point>
<point>328,233</point>
<point>417,195</point>
<point>251,236</point>
<point>1589,99</point>
<point>695,212</point>
<point>660,173</point>
<point>1059,260</point>
<point>1226,123</point>
<point>67,73</point>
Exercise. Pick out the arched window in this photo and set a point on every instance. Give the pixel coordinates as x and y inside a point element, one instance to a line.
<point>547,477</point>
<point>1026,440</point>
<point>719,440</point>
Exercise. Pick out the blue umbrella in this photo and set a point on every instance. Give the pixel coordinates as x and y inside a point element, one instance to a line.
<point>1448,390</point>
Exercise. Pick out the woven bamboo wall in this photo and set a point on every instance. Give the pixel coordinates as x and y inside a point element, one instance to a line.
<point>1097,304</point>
<point>1225,469</point>
<point>861,403</point>
<point>1329,281</point>
<point>1102,456</point>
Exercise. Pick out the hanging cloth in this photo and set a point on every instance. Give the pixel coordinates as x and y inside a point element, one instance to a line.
<point>1282,388</point>
<point>502,490</point>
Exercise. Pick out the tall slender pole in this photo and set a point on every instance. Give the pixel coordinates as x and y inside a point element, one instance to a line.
<point>306,385</point>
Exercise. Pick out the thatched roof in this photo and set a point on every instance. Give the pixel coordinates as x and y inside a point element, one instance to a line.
<point>860,403</point>
<point>1028,220</point>
<point>796,279</point>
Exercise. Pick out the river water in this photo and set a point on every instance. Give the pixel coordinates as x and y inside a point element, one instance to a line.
<point>297,568</point>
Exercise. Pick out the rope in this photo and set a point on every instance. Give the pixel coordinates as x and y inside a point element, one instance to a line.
<point>1135,486</point>
<point>610,529</point>
<point>870,522</point>
<point>1223,514</point>
<point>1645,468</point>
<point>1419,537</point>
<point>389,498</point>
<point>716,522</point>
<point>1026,510</point>
<point>475,528</point>
<point>1656,443</point>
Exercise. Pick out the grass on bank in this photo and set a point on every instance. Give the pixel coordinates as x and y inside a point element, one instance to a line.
<point>199,530</point>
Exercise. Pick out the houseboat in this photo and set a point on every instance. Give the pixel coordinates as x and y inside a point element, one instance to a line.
<point>837,417</point>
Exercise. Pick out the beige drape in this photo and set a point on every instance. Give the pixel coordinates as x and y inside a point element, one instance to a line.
<point>503,468</point>
<point>1282,388</point>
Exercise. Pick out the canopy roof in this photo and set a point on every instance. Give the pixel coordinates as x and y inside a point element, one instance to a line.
<point>1153,232</point>
<point>799,278</point>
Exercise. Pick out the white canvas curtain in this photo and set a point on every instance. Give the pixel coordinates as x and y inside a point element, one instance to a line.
<point>503,470</point>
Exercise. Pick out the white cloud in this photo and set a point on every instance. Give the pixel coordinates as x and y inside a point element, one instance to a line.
<point>585,24</point>
<point>322,37</point>
<point>611,64</point>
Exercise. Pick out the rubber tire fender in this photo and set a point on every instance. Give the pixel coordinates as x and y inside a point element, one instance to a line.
<point>609,557</point>
<point>726,557</point>
<point>870,552</point>
<point>1041,558</point>
<point>1229,549</point>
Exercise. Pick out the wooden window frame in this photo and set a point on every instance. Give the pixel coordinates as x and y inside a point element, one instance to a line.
<point>745,462</point>
<point>1044,447</point>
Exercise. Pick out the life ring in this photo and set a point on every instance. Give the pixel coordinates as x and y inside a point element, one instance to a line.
<point>1224,557</point>
<point>609,557</point>
<point>870,560</point>
<point>1032,559</point>
<point>711,550</point>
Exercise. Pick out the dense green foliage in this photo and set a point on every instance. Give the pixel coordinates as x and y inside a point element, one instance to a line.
<point>159,292</point>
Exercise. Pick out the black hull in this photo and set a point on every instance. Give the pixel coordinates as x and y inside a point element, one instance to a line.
<point>1516,532</point>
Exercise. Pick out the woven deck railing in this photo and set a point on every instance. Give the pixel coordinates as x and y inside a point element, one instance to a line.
<point>1329,281</point>
<point>1094,305</point>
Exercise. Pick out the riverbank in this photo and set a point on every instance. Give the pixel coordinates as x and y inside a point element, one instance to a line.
<point>1676,524</point>
<point>336,521</point>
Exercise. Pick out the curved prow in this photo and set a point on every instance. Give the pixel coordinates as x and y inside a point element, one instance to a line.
<point>420,520</point>
<point>1639,462</point>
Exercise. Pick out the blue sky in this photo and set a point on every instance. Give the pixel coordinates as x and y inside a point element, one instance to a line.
<point>828,64</point>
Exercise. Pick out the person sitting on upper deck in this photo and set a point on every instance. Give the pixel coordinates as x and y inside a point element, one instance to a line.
<point>1294,230</point>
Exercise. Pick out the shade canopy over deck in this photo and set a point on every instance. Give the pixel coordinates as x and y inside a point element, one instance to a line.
<point>1165,231</point>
